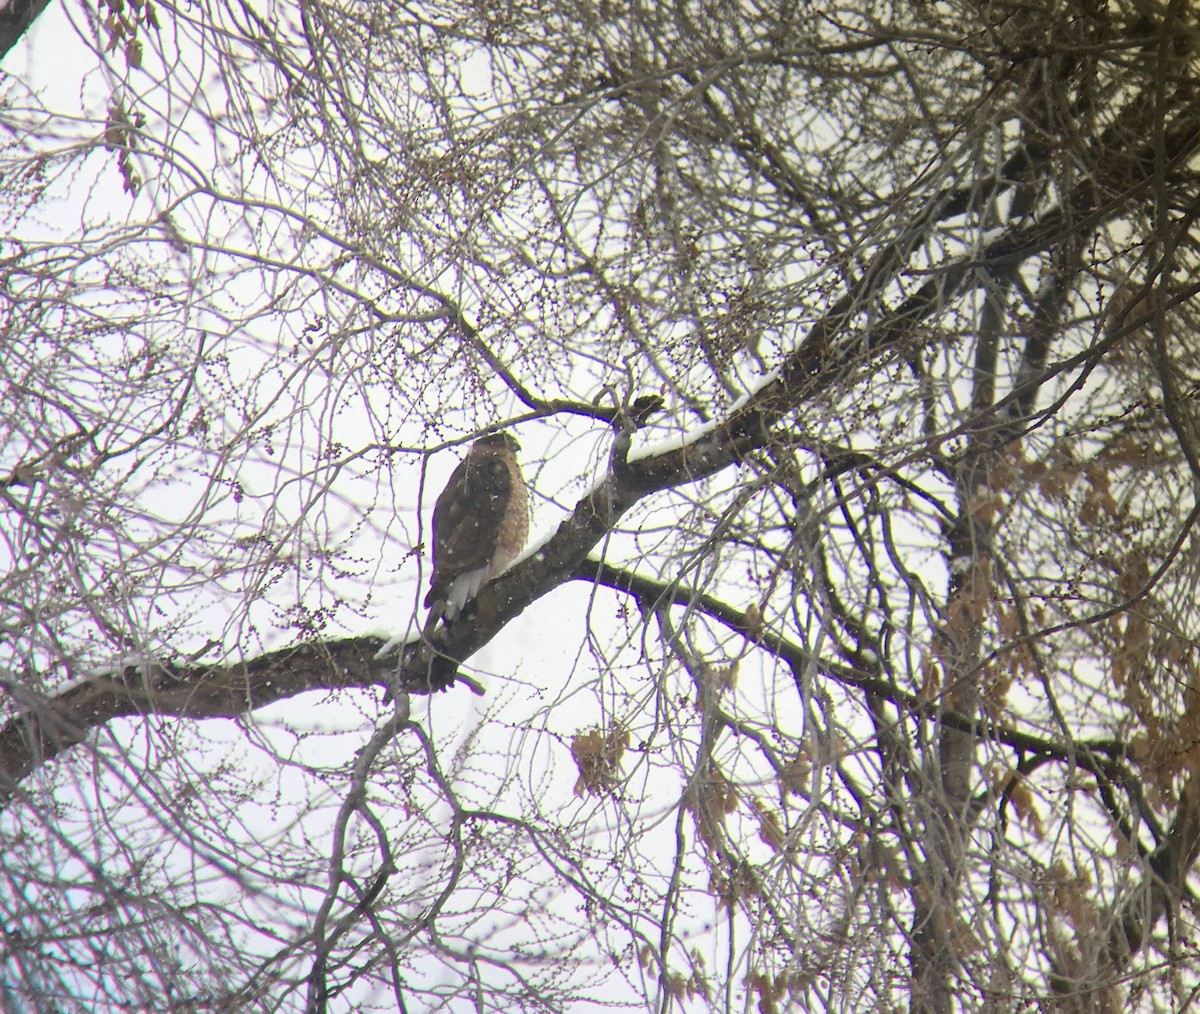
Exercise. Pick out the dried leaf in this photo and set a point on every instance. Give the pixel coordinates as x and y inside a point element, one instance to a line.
<point>597,756</point>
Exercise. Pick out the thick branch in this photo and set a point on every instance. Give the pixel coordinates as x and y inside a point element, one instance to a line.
<point>1103,757</point>
<point>15,20</point>
<point>1165,881</point>
<point>47,726</point>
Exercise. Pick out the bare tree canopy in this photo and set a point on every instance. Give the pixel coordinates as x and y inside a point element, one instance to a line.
<point>853,663</point>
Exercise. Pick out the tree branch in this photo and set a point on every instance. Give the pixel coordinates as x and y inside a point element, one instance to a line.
<point>15,20</point>
<point>46,726</point>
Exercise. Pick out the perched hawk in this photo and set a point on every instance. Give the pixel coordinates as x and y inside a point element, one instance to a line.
<point>479,525</point>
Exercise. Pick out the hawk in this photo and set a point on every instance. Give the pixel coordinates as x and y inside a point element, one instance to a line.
<point>480,522</point>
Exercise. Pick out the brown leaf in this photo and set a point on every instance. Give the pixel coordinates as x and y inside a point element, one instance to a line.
<point>597,756</point>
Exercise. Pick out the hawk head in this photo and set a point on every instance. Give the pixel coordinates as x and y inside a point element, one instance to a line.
<point>497,440</point>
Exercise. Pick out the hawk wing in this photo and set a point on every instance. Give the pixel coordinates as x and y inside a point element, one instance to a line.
<point>467,520</point>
